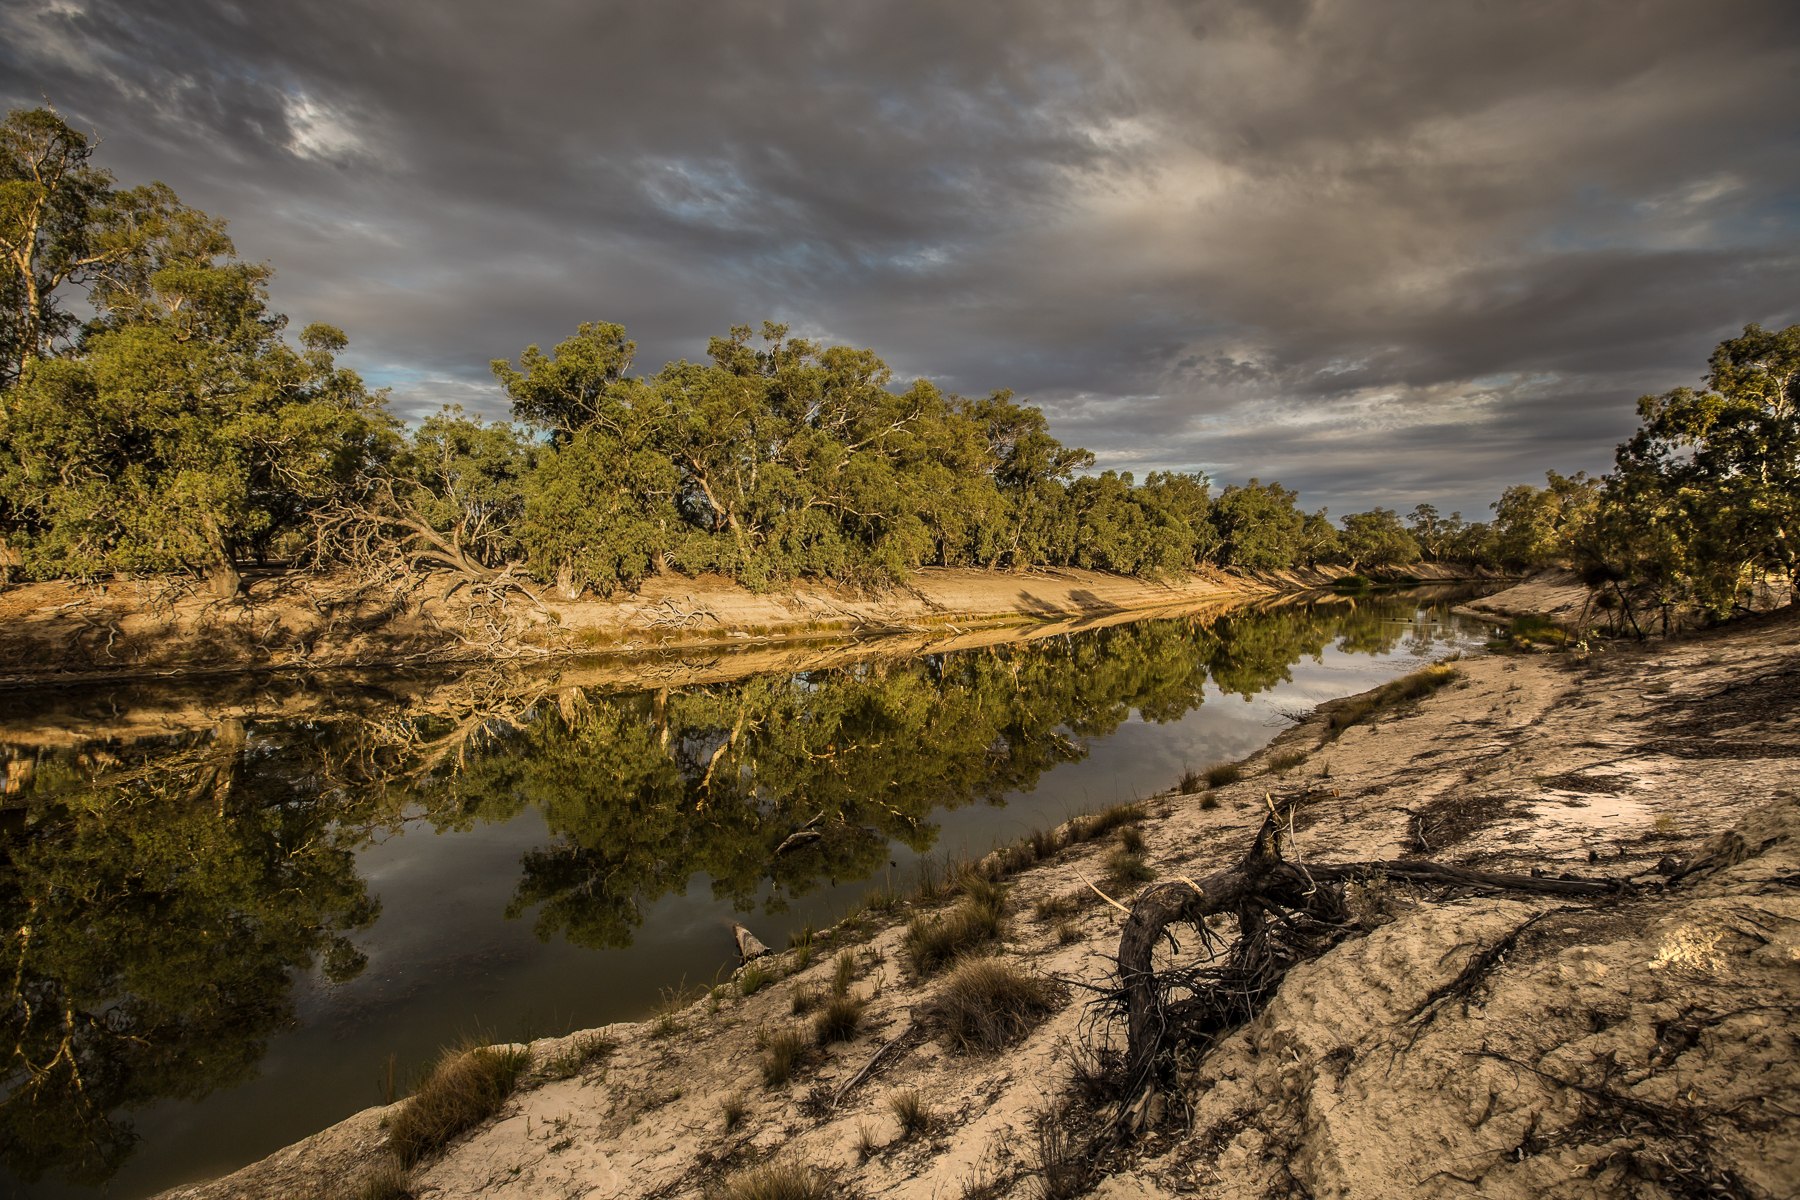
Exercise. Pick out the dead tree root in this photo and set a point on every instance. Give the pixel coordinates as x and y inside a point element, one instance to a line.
<point>1285,912</point>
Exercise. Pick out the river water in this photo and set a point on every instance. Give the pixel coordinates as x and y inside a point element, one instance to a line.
<point>237,912</point>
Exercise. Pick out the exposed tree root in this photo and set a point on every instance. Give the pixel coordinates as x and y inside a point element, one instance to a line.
<point>1286,912</point>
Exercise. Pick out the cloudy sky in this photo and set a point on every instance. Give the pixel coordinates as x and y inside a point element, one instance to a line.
<point>1382,250</point>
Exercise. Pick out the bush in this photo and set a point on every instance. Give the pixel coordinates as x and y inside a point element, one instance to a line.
<point>463,1090</point>
<point>986,1004</point>
<point>1223,774</point>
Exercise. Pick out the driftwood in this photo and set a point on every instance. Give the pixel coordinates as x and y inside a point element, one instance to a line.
<point>747,944</point>
<point>1285,911</point>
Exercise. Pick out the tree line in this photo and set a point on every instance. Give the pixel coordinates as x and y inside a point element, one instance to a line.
<point>155,418</point>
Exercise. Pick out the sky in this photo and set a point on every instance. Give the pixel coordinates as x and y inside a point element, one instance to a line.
<point>1384,251</point>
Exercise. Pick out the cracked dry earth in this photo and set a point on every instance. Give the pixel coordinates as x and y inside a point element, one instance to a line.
<point>1464,1045</point>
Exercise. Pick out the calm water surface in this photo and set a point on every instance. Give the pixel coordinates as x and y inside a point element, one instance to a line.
<point>234,917</point>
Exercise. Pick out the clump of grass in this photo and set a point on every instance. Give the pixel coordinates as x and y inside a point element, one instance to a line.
<point>1132,839</point>
<point>1391,694</point>
<point>782,1052</point>
<point>1223,774</point>
<point>804,1000</point>
<point>733,1109</point>
<point>909,1108</point>
<point>932,943</point>
<point>388,1179</point>
<point>1287,760</point>
<point>1098,825</point>
<point>577,1054</point>
<point>802,945</point>
<point>1209,802</point>
<point>843,972</point>
<point>866,1145</point>
<point>839,1019</point>
<point>1067,932</point>
<point>1123,867</point>
<point>883,900</point>
<point>1528,632</point>
<point>463,1090</point>
<point>986,1004</point>
<point>1062,1173</point>
<point>1054,908</point>
<point>1191,781</point>
<point>775,1181</point>
<point>1044,842</point>
<point>753,979</point>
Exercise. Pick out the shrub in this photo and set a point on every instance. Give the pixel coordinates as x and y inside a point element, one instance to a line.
<point>463,1090</point>
<point>1131,838</point>
<point>986,1004</point>
<point>1223,774</point>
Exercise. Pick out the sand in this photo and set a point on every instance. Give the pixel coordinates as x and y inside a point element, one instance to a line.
<point>1641,1047</point>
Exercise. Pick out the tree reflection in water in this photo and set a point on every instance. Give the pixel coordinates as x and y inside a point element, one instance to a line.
<point>162,897</point>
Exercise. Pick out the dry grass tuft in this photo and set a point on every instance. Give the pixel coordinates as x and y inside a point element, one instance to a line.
<point>464,1089</point>
<point>987,1004</point>
<point>1223,774</point>
<point>1392,694</point>
<point>839,1019</point>
<point>388,1179</point>
<point>910,1109</point>
<point>933,943</point>
<point>776,1181</point>
<point>783,1052</point>
<point>1124,868</point>
<point>582,1050</point>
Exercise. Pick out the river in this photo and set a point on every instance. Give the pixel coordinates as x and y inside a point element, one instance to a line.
<point>239,911</point>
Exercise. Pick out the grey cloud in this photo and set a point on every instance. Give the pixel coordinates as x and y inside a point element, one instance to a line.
<point>1366,248</point>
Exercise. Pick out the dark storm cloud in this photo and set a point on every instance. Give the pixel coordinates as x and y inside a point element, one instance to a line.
<point>1381,251</point>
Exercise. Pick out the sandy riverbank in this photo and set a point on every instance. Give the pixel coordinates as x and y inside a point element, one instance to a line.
<point>1502,1045</point>
<point>59,633</point>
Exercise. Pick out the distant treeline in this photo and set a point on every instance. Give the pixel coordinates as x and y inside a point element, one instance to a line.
<point>176,430</point>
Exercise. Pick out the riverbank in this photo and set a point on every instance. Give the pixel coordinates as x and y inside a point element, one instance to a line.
<point>53,633</point>
<point>1523,1047</point>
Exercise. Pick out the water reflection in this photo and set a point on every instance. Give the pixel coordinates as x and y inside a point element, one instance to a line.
<point>165,893</point>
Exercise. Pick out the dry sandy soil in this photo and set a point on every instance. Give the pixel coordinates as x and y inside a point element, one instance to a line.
<point>63,632</point>
<point>1455,1044</point>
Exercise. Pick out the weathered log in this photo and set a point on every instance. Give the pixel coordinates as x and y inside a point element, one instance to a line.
<point>748,946</point>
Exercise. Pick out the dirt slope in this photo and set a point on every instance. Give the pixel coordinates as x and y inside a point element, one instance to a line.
<point>1645,1047</point>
